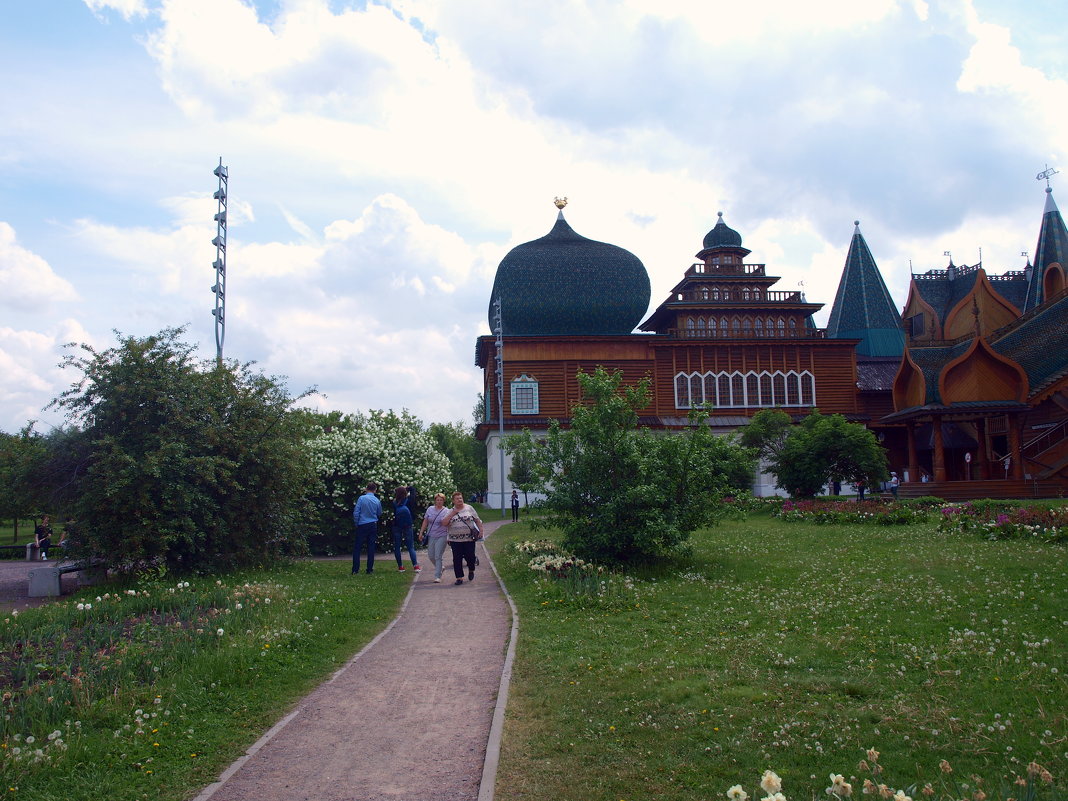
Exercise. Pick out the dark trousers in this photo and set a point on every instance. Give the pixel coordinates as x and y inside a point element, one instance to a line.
<point>365,533</point>
<point>515,514</point>
<point>460,551</point>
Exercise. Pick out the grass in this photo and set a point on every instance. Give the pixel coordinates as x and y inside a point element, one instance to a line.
<point>150,690</point>
<point>792,647</point>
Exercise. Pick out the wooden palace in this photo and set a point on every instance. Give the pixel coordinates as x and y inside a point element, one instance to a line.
<point>967,389</point>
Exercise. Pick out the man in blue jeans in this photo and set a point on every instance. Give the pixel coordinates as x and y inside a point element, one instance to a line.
<point>366,514</point>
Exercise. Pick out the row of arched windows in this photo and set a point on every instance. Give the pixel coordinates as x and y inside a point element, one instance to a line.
<point>738,293</point>
<point>740,326</point>
<point>737,389</point>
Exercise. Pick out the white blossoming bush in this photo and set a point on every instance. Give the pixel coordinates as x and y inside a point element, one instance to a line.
<point>390,449</point>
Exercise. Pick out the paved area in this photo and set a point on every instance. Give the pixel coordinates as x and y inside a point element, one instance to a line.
<point>408,719</point>
<point>15,583</point>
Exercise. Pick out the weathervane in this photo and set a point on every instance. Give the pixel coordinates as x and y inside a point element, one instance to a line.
<point>1046,174</point>
<point>560,202</point>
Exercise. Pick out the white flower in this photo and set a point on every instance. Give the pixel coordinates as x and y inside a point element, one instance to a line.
<point>736,793</point>
<point>31,740</point>
<point>900,796</point>
<point>220,632</point>
<point>770,783</point>
<point>839,786</point>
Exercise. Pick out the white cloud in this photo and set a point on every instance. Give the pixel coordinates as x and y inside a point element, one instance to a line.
<point>128,8</point>
<point>27,280</point>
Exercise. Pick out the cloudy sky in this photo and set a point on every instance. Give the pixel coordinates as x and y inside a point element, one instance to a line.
<point>384,156</point>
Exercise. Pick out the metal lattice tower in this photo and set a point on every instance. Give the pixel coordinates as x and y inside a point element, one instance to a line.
<point>219,290</point>
<point>498,329</point>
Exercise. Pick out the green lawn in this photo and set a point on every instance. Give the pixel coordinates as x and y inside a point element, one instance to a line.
<point>153,694</point>
<point>794,647</point>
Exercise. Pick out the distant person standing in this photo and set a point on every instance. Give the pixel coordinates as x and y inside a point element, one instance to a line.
<point>434,534</point>
<point>402,527</point>
<point>895,482</point>
<point>465,529</point>
<point>365,515</point>
<point>43,535</point>
<point>515,506</point>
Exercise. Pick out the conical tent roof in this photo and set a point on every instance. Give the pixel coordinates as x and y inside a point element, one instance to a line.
<point>1052,247</point>
<point>863,308</point>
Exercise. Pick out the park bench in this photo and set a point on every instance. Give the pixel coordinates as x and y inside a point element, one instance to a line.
<point>45,580</point>
<point>32,554</point>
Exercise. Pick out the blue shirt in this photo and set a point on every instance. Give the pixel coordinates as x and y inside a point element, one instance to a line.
<point>368,509</point>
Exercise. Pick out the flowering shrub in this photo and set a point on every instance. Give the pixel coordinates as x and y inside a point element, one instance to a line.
<point>563,565</point>
<point>390,449</point>
<point>536,547</point>
<point>886,513</point>
<point>1023,787</point>
<point>1005,522</point>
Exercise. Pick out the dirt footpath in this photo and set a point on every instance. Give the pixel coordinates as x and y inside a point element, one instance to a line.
<point>408,719</point>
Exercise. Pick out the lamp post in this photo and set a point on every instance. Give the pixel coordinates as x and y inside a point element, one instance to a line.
<point>219,290</point>
<point>499,331</point>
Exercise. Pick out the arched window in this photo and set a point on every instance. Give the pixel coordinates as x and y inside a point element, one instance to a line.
<point>704,293</point>
<point>747,326</point>
<point>808,389</point>
<point>737,389</point>
<point>766,398</point>
<point>682,391</point>
<point>745,294</point>
<point>715,293</point>
<point>701,326</point>
<point>758,293</point>
<point>752,389</point>
<point>736,325</point>
<point>710,388</point>
<point>712,326</point>
<point>723,389</point>
<point>758,326</point>
<point>793,389</point>
<point>723,325</point>
<point>779,382</point>
<point>793,324</point>
<point>781,325</point>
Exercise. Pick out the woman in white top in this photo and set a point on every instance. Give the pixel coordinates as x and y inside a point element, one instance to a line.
<point>465,529</point>
<point>434,533</point>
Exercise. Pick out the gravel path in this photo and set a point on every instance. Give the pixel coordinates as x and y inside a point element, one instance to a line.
<point>407,719</point>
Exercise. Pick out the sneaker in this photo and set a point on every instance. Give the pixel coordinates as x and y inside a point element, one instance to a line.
<point>458,581</point>
<point>401,569</point>
<point>437,581</point>
<point>418,569</point>
<point>471,574</point>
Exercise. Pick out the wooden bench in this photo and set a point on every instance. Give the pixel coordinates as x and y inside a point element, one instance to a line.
<point>45,580</point>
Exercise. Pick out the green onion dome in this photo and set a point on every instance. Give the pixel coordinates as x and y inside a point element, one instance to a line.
<point>722,236</point>
<point>566,284</point>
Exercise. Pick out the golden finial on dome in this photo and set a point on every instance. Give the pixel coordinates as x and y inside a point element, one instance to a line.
<point>560,202</point>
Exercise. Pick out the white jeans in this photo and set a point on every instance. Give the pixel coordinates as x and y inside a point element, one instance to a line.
<point>435,549</point>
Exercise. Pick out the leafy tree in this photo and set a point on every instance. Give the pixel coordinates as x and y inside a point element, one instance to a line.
<point>21,457</point>
<point>522,475</point>
<point>188,465</point>
<point>767,432</point>
<point>466,454</point>
<point>620,494</point>
<point>822,449</point>
<point>389,449</point>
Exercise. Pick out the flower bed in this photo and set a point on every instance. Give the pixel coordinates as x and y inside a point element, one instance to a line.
<point>887,513</point>
<point>1006,521</point>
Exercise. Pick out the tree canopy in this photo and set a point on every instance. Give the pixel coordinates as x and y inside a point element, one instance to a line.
<point>188,464</point>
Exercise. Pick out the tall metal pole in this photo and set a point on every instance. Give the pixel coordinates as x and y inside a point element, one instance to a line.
<point>219,290</point>
<point>499,331</point>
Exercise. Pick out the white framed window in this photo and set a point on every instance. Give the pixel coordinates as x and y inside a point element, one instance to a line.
<point>525,395</point>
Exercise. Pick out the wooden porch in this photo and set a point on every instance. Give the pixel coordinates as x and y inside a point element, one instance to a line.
<point>973,490</point>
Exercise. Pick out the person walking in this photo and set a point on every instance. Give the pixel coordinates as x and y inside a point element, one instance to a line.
<point>434,534</point>
<point>365,515</point>
<point>895,482</point>
<point>402,527</point>
<point>465,529</point>
<point>515,506</point>
<point>43,535</point>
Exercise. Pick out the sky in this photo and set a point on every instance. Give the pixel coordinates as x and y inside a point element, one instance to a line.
<point>383,158</point>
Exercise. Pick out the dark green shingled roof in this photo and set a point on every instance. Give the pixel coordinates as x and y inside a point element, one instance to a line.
<point>1039,345</point>
<point>566,284</point>
<point>863,308</point>
<point>722,235</point>
<point>931,361</point>
<point>1052,247</point>
<point>943,293</point>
